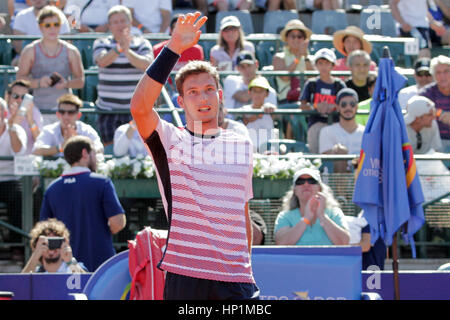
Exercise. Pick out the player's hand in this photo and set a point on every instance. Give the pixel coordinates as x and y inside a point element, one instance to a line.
<point>186,32</point>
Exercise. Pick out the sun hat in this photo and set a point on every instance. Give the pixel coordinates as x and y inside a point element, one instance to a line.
<point>295,24</point>
<point>260,82</point>
<point>326,54</point>
<point>229,21</point>
<point>312,172</point>
<point>417,106</point>
<point>338,39</point>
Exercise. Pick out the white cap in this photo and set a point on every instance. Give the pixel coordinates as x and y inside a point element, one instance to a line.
<point>229,21</point>
<point>312,172</point>
<point>325,53</point>
<point>417,106</point>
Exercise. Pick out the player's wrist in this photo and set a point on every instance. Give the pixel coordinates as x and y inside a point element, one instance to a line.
<point>160,69</point>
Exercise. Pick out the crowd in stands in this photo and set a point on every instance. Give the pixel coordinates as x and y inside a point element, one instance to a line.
<point>50,70</point>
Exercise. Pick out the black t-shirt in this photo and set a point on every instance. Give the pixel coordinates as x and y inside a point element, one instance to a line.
<point>363,92</point>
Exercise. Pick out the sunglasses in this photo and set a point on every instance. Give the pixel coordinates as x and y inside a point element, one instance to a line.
<point>419,140</point>
<point>423,74</point>
<point>296,36</point>
<point>344,104</point>
<point>70,112</point>
<point>301,181</point>
<point>50,24</point>
<point>17,96</point>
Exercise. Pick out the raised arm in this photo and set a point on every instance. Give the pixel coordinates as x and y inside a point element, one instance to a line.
<point>185,35</point>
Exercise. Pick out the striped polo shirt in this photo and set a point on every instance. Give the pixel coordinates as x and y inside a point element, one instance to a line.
<point>116,82</point>
<point>204,183</point>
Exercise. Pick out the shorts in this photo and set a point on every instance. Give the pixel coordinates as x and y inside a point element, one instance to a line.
<point>419,33</point>
<point>108,123</point>
<point>179,287</point>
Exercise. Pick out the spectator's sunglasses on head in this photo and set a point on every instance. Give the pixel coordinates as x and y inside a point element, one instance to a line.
<point>344,104</point>
<point>50,24</point>
<point>70,112</point>
<point>301,181</point>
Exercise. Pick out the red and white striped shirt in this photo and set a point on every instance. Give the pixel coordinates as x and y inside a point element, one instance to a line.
<point>204,184</point>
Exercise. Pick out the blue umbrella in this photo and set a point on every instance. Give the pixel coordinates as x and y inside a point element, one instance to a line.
<point>387,186</point>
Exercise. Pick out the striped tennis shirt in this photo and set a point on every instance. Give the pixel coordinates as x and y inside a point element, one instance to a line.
<point>116,82</point>
<point>204,184</point>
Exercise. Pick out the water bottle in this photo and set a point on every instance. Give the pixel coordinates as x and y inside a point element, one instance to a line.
<point>27,102</point>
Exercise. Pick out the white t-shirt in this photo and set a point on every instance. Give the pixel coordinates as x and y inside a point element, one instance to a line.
<point>7,167</point>
<point>26,22</point>
<point>95,14</point>
<point>260,130</point>
<point>232,84</point>
<point>149,14</point>
<point>414,12</point>
<point>51,136</point>
<point>124,146</point>
<point>405,94</point>
<point>334,134</point>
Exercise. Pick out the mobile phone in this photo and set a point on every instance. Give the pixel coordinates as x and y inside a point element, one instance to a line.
<point>55,79</point>
<point>55,242</point>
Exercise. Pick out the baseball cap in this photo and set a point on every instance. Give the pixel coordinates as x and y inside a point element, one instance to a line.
<point>229,21</point>
<point>312,172</point>
<point>245,57</point>
<point>417,106</point>
<point>325,53</point>
<point>422,64</point>
<point>345,92</point>
<point>260,82</point>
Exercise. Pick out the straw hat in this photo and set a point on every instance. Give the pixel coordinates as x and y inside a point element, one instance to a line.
<point>295,24</point>
<point>338,39</point>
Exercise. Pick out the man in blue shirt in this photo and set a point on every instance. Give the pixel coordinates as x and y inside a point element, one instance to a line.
<point>87,203</point>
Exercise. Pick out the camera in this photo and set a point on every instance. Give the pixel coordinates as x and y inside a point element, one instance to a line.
<point>55,242</point>
<point>55,79</point>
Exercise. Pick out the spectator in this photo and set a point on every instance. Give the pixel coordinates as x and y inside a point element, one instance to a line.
<point>57,260</point>
<point>440,12</point>
<point>413,20</point>
<point>235,87</point>
<point>294,57</point>
<point>26,23</point>
<point>200,5</point>
<point>127,141</point>
<point>348,40</point>
<point>311,215</point>
<point>121,59</point>
<point>14,6</point>
<point>345,136</point>
<point>229,124</point>
<point>259,125</point>
<point>365,104</point>
<point>422,76</point>
<point>230,43</point>
<point>53,138</point>
<point>86,203</point>
<point>31,121</point>
<point>90,15</point>
<point>273,5</point>
<point>225,5</point>
<point>323,4</point>
<point>372,256</point>
<point>193,53</point>
<point>154,18</point>
<point>320,94</point>
<point>259,228</point>
<point>439,93</point>
<point>421,126</point>
<point>52,66</point>
<point>13,141</point>
<point>359,64</point>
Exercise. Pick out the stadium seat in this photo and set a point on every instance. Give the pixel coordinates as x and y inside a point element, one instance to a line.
<point>7,75</point>
<point>298,123</point>
<point>89,92</point>
<point>386,27</point>
<point>207,45</point>
<point>328,21</point>
<point>243,15</point>
<point>6,52</point>
<point>274,21</point>
<point>85,48</point>
<point>265,50</point>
